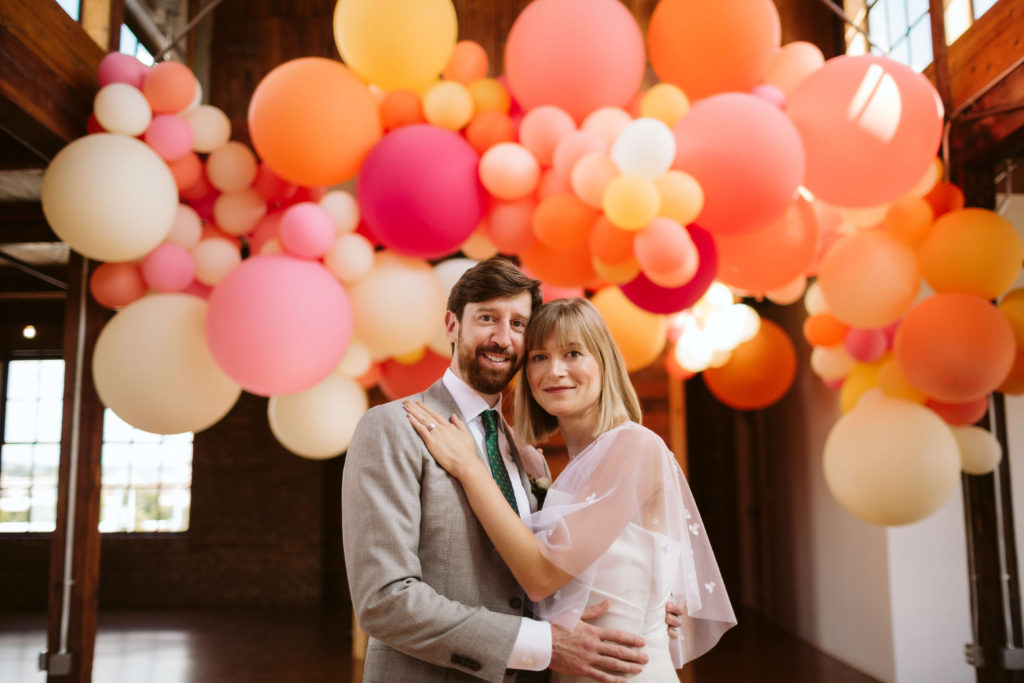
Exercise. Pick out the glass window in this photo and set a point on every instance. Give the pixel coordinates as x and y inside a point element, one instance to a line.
<point>903,27</point>
<point>130,45</point>
<point>72,7</point>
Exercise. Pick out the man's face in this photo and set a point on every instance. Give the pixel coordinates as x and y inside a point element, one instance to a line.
<point>489,341</point>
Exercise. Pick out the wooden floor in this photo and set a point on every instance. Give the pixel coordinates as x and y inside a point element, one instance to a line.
<point>291,646</point>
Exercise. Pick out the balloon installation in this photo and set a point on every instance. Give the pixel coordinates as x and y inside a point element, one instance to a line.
<point>314,265</point>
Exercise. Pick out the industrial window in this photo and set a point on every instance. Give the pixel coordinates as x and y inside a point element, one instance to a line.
<point>72,7</point>
<point>146,478</point>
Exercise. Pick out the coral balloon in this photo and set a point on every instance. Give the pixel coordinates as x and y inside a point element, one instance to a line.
<point>655,299</point>
<point>313,121</point>
<point>170,87</point>
<point>542,129</point>
<point>563,221</point>
<point>711,47</point>
<point>488,128</point>
<point>396,44</point>
<point>153,368</point>
<point>666,253</point>
<point>600,62</point>
<point>740,146</point>
<point>824,329</point>
<point>115,285</point>
<point>639,334</point>
<point>232,167</point>
<point>561,267</point>
<point>959,413</point>
<point>792,64</point>
<point>399,379</point>
<point>318,422</point>
<point>401,108</point>
<point>869,279</point>
<point>468,63</point>
<point>870,127</point>
<point>891,461</point>
<point>420,192</point>
<point>509,171</point>
<point>610,244</point>
<point>955,347</point>
<point>278,324</point>
<point>509,225</point>
<point>974,251</point>
<point>759,372</point>
<point>110,197</point>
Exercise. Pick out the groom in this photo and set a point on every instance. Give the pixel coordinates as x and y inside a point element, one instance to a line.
<point>427,584</point>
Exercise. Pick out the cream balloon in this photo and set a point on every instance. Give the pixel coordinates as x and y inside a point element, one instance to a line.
<point>448,273</point>
<point>890,461</point>
<point>122,108</point>
<point>645,147</point>
<point>980,452</point>
<point>318,422</point>
<point>343,210</point>
<point>152,367</point>
<point>210,126</point>
<point>110,197</point>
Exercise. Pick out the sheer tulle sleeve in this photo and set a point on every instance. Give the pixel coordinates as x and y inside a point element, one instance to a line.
<point>628,476</point>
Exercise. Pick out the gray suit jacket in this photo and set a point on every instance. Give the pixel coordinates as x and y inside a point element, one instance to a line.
<point>428,587</point>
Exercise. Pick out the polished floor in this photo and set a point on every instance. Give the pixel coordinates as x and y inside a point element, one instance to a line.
<point>292,646</point>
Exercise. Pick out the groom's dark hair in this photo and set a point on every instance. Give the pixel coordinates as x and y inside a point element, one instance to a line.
<point>497,277</point>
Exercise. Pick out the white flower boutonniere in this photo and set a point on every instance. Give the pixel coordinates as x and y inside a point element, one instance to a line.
<point>540,487</point>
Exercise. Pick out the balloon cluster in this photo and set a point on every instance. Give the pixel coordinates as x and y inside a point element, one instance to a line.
<point>316,264</point>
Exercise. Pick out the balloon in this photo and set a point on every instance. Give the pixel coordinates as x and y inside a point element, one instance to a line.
<point>509,225</point>
<point>955,347</point>
<point>655,299</point>
<point>319,422</point>
<point>974,251</point>
<point>869,279</point>
<point>945,197</point>
<point>789,293</point>
<point>759,372</point>
<point>168,268</point>
<point>488,128</point>
<point>894,384</point>
<point>891,461</point>
<point>120,108</point>
<point>401,108</point>
<point>152,367</point>
<point>573,147</point>
<point>189,177</point>
<point>467,63</point>
<point>509,171</point>
<point>419,191</point>
<point>792,64</point>
<point>170,87</point>
<point>665,102</point>
<point>399,379</point>
<point>870,127</point>
<point>560,266</point>
<point>313,121</point>
<point>542,129</point>
<point>1014,382</point>
<point>169,135</point>
<point>960,413</point>
<point>747,157</point>
<point>639,334</point>
<point>116,285</point>
<point>448,104</point>
<point>306,230</point>
<point>563,221</point>
<point>397,305</point>
<point>214,258</point>
<point>711,47</point>
<point>490,95</point>
<point>591,176</point>
<point>607,123</point>
<point>210,127</point>
<point>860,380</point>
<point>631,201</point>
<point>396,44</point>
<point>1012,306</point>
<point>350,257</point>
<point>231,167</point>
<point>118,67</point>
<point>610,244</point>
<point>980,451</point>
<point>866,345</point>
<point>599,62</point>
<point>238,213</point>
<point>666,253</point>
<point>645,147</point>
<point>681,196</point>
<point>110,197</point>
<point>277,324</point>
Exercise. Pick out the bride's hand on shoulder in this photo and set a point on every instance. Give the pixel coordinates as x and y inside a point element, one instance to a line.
<point>448,440</point>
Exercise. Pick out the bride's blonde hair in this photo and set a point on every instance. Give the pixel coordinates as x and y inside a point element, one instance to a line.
<point>575,320</point>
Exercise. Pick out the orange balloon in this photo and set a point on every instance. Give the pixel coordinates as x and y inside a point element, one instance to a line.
<point>974,251</point>
<point>712,47</point>
<point>187,171</point>
<point>610,244</point>
<point>170,87</point>
<point>1012,306</point>
<point>1014,382</point>
<point>563,221</point>
<point>569,267</point>
<point>489,95</point>
<point>313,121</point>
<point>468,62</point>
<point>508,225</point>
<point>908,220</point>
<point>117,284</point>
<point>960,413</point>
<point>824,329</point>
<point>955,347</point>
<point>945,197</point>
<point>401,108</point>
<point>639,334</point>
<point>759,371</point>
<point>489,128</point>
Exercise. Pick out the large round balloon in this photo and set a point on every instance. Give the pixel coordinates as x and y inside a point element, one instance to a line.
<point>711,47</point>
<point>891,461</point>
<point>759,371</point>
<point>318,422</point>
<point>152,367</point>
<point>397,43</point>
<point>746,155</point>
<point>974,251</point>
<point>313,121</point>
<point>870,126</point>
<point>399,379</point>
<point>639,334</point>
<point>278,324</point>
<point>955,347</point>
<point>578,55</point>
<point>110,197</point>
<point>420,192</point>
<point>650,297</point>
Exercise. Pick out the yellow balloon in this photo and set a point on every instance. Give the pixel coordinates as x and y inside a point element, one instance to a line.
<point>449,105</point>
<point>894,384</point>
<point>639,334</point>
<point>862,378</point>
<point>396,43</point>
<point>1012,306</point>
<point>489,95</point>
<point>618,273</point>
<point>665,102</point>
<point>973,251</point>
<point>631,201</point>
<point>682,197</point>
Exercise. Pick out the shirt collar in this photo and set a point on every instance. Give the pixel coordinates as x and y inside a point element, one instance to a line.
<point>470,403</point>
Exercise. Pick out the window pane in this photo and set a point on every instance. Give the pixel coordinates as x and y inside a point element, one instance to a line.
<point>23,379</point>
<point>982,6</point>
<point>72,7</point>
<point>920,46</point>
<point>51,379</point>
<point>20,426</point>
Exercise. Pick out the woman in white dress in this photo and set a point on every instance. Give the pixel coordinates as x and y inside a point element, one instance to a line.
<point>619,523</point>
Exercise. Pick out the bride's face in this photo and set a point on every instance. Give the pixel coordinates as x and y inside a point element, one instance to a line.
<point>564,379</point>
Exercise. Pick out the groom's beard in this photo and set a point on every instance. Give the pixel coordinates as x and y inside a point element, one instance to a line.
<point>486,380</point>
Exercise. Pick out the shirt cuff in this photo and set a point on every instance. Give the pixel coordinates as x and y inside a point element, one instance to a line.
<point>532,651</point>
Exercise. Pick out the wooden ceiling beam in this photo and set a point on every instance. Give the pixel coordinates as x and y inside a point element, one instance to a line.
<point>24,222</point>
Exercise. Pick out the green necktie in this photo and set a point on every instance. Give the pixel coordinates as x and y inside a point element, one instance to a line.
<point>498,470</point>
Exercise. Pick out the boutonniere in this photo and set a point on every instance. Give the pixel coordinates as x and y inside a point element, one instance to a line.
<point>540,486</point>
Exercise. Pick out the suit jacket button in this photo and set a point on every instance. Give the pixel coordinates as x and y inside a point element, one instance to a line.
<point>516,603</point>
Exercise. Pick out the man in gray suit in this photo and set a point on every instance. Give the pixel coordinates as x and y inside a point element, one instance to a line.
<point>428,586</point>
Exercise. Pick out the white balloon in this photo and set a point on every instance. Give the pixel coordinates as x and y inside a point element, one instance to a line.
<point>319,422</point>
<point>123,109</point>
<point>980,451</point>
<point>645,147</point>
<point>343,210</point>
<point>153,367</point>
<point>448,273</point>
<point>831,362</point>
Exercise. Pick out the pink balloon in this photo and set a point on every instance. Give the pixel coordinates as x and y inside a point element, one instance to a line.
<point>600,62</point>
<point>866,345</point>
<point>118,67</point>
<point>747,157</point>
<point>650,297</point>
<point>306,230</point>
<point>419,191</point>
<point>277,324</point>
<point>170,135</point>
<point>871,127</point>
<point>168,268</point>
<point>666,253</point>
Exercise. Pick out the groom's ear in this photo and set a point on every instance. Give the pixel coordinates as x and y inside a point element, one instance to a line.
<point>451,326</point>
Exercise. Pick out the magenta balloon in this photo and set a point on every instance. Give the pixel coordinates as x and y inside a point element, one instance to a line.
<point>650,297</point>
<point>747,156</point>
<point>278,324</point>
<point>419,191</point>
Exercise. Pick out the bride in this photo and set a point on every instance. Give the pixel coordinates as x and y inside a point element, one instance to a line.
<point>619,523</point>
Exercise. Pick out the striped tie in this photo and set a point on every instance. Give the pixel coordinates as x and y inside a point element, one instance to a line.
<point>498,471</point>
